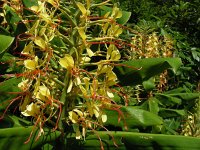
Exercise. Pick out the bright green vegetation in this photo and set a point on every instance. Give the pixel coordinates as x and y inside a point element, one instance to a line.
<point>91,74</point>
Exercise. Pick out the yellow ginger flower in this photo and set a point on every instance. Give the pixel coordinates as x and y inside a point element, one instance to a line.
<point>41,11</point>
<point>31,64</point>
<point>85,60</point>
<point>31,110</point>
<point>67,62</point>
<point>75,114</point>
<point>94,109</point>
<point>24,84</point>
<point>42,93</point>
<point>28,49</point>
<point>113,53</point>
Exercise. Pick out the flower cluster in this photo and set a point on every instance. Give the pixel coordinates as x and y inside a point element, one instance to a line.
<point>151,45</point>
<point>62,83</point>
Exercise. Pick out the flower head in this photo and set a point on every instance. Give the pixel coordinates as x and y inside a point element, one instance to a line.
<point>31,110</point>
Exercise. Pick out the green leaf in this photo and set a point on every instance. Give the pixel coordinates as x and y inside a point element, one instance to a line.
<point>47,147</point>
<point>153,105</point>
<point>149,84</point>
<point>136,71</point>
<point>177,90</point>
<point>186,96</point>
<point>6,41</point>
<point>150,105</point>
<point>166,113</point>
<point>167,99</point>
<point>17,136</point>
<point>171,126</point>
<point>125,14</point>
<point>7,57</point>
<point>132,118</point>
<point>30,3</point>
<point>9,121</point>
<point>9,85</point>
<point>6,122</point>
<point>58,42</point>
<point>12,17</point>
<point>196,55</point>
<point>138,141</point>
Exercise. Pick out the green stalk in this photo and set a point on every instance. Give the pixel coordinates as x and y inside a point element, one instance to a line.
<point>58,81</point>
<point>67,40</point>
<point>65,11</point>
<point>63,99</point>
<point>64,29</point>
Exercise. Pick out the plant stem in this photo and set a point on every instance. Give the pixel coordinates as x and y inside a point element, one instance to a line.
<point>63,99</point>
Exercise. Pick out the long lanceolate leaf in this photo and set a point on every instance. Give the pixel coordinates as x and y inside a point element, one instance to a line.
<point>136,71</point>
<point>138,141</point>
<point>14,138</point>
<point>18,131</point>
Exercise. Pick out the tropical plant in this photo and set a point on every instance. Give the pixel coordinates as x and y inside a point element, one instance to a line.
<point>63,79</point>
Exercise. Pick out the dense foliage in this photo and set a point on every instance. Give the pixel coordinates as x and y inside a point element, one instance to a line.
<point>99,74</point>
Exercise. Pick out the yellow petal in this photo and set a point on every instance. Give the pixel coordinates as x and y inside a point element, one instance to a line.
<point>77,81</point>
<point>24,84</point>
<point>34,8</point>
<point>103,69</point>
<point>110,94</point>
<point>83,132</point>
<point>85,60</point>
<point>73,117</point>
<point>115,55</point>
<point>111,76</point>
<point>90,52</point>
<point>28,49</point>
<point>111,79</point>
<point>82,8</point>
<point>119,14</point>
<point>70,86</point>
<point>116,13</point>
<point>111,48</point>
<point>67,62</point>
<point>81,31</point>
<point>19,63</point>
<point>83,90</point>
<point>80,113</point>
<point>31,110</point>
<point>40,42</point>
<point>117,31</point>
<point>96,111</point>
<point>44,91</point>
<point>30,64</point>
<point>104,118</point>
<point>105,27</point>
<point>39,96</point>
